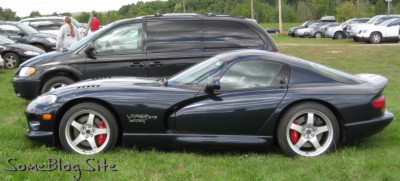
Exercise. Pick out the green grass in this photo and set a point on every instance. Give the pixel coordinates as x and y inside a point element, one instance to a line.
<point>375,158</point>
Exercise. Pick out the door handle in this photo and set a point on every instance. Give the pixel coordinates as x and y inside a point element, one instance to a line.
<point>155,64</point>
<point>136,65</point>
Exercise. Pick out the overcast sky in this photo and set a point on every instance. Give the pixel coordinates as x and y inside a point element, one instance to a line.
<point>25,7</point>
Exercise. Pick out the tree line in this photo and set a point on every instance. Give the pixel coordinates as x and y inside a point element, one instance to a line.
<point>265,11</point>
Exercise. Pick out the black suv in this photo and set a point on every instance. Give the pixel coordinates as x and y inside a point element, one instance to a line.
<point>22,33</point>
<point>149,46</point>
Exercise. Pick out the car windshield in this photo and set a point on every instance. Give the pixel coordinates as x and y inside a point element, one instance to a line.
<point>83,41</point>
<point>27,28</point>
<point>199,74</point>
<point>305,23</point>
<point>4,40</point>
<point>372,20</point>
<point>385,23</point>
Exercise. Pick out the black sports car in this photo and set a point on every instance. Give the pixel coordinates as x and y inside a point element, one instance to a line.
<point>243,98</point>
<point>16,53</point>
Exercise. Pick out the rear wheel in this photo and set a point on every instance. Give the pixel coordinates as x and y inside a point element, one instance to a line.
<point>56,82</point>
<point>11,60</point>
<point>375,37</point>
<point>308,129</point>
<point>339,35</point>
<point>88,128</point>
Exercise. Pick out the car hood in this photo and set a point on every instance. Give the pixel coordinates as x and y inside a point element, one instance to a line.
<point>41,58</point>
<point>25,47</point>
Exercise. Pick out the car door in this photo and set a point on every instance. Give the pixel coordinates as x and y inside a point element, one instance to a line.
<point>173,45</point>
<point>251,90</point>
<point>118,52</point>
<point>392,29</point>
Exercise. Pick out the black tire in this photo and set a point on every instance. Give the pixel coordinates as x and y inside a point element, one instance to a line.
<point>40,46</point>
<point>56,82</point>
<point>312,121</point>
<point>375,37</point>
<point>11,60</point>
<point>79,116</point>
<point>339,35</point>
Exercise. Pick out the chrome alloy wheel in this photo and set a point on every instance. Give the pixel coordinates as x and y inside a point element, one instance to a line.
<point>309,133</point>
<point>375,38</point>
<point>83,129</point>
<point>10,61</point>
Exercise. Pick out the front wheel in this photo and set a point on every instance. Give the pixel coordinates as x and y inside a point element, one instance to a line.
<point>56,82</point>
<point>11,60</point>
<point>88,128</point>
<point>307,129</point>
<point>318,35</point>
<point>339,35</point>
<point>375,37</point>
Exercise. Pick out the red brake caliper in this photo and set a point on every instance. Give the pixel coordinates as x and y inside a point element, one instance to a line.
<point>102,137</point>
<point>294,135</point>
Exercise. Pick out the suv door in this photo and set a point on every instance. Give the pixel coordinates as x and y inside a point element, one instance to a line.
<point>173,45</point>
<point>118,52</point>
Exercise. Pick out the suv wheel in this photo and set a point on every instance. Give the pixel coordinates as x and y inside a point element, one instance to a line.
<point>11,60</point>
<point>339,35</point>
<point>318,35</point>
<point>375,37</point>
<point>56,82</point>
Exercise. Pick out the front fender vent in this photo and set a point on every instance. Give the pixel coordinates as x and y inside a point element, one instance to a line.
<point>87,86</point>
<point>99,78</point>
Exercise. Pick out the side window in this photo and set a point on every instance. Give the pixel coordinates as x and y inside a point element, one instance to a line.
<point>42,25</point>
<point>123,39</point>
<point>174,35</point>
<point>10,30</point>
<point>250,74</point>
<point>394,23</point>
<point>229,34</point>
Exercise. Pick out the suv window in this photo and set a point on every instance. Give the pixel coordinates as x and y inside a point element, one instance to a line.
<point>47,24</point>
<point>250,74</point>
<point>120,40</point>
<point>174,35</point>
<point>229,34</point>
<point>11,30</point>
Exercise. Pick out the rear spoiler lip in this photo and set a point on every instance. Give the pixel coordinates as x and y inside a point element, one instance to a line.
<point>377,81</point>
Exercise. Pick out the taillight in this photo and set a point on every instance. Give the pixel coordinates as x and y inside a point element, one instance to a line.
<point>379,103</point>
<point>275,51</point>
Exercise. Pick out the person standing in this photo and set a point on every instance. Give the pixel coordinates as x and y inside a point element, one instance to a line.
<point>344,26</point>
<point>95,24</point>
<point>68,35</point>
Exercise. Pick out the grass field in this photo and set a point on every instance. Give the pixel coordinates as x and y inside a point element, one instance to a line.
<point>375,158</point>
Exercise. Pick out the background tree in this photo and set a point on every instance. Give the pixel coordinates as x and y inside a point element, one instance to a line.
<point>35,14</point>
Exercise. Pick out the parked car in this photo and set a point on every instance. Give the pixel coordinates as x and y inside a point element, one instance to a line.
<point>51,24</point>
<point>240,98</point>
<point>354,29</point>
<point>272,30</point>
<point>168,44</point>
<point>319,32</point>
<point>25,34</point>
<point>301,32</point>
<point>15,53</point>
<point>336,32</point>
<point>291,31</point>
<point>1,63</point>
<point>386,31</point>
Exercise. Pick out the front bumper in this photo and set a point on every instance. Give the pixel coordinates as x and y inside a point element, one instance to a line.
<point>363,36</point>
<point>46,137</point>
<point>26,88</point>
<point>354,131</point>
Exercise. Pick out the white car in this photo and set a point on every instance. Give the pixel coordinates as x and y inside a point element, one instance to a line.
<point>51,24</point>
<point>1,62</point>
<point>336,32</point>
<point>353,30</point>
<point>386,31</point>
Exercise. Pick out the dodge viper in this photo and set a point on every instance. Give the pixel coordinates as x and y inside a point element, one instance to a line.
<point>238,98</point>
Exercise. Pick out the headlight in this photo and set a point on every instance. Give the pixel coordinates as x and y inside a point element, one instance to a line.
<point>51,40</point>
<point>46,99</point>
<point>31,53</point>
<point>27,71</point>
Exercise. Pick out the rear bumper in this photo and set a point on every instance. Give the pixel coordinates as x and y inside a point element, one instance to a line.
<point>354,131</point>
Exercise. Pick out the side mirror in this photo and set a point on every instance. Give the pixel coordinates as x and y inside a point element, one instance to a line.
<point>90,51</point>
<point>21,34</point>
<point>212,86</point>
